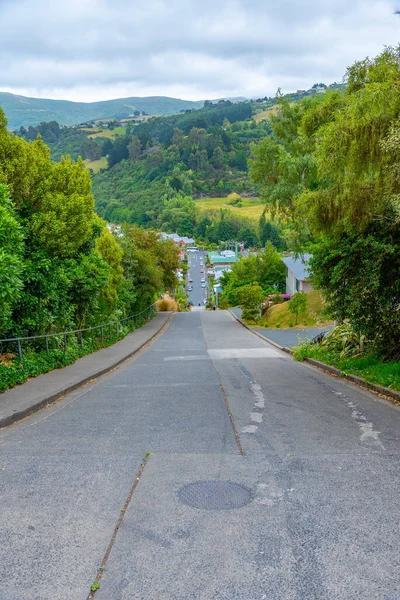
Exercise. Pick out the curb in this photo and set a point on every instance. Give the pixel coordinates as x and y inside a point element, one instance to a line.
<point>359,381</point>
<point>18,416</point>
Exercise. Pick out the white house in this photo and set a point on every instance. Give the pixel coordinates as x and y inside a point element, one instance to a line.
<point>297,274</point>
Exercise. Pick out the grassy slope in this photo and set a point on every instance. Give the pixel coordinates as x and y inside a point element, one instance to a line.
<point>107,133</point>
<point>280,315</point>
<point>252,207</point>
<point>96,165</point>
<point>265,114</point>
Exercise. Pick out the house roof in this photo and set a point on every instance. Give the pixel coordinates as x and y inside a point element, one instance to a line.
<point>226,260</point>
<point>298,266</point>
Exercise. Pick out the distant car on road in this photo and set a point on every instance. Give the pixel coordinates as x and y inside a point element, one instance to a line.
<point>203,285</point>
<point>201,270</point>
<point>190,288</point>
<point>203,280</point>
<point>190,280</point>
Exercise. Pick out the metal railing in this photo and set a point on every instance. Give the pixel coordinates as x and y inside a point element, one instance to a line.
<point>103,331</point>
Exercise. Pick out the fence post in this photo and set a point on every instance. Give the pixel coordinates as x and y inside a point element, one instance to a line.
<point>65,342</point>
<point>47,344</point>
<point>92,338</point>
<point>102,335</point>
<point>81,338</point>
<point>116,326</point>
<point>20,350</point>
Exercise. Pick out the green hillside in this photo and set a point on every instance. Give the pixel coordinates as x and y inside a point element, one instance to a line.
<point>21,110</point>
<point>173,172</point>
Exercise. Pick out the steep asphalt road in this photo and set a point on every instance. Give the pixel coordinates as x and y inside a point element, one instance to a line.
<point>316,461</point>
<point>198,293</point>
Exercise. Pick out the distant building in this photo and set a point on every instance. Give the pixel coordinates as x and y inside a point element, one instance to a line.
<point>297,274</point>
<point>177,239</point>
<point>218,259</point>
<point>220,272</point>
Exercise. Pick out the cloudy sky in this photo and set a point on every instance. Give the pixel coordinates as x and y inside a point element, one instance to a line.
<point>192,49</point>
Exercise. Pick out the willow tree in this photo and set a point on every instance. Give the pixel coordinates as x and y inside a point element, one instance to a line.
<point>356,210</point>
<point>358,151</point>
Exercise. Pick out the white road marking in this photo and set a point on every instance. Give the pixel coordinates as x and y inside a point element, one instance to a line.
<point>222,354</point>
<point>256,417</point>
<point>187,357</point>
<point>259,396</point>
<point>250,429</point>
<point>367,428</point>
<point>368,433</point>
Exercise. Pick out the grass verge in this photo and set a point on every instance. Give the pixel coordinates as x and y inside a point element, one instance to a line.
<point>279,315</point>
<point>370,367</point>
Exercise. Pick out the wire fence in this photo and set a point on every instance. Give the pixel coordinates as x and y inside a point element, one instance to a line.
<point>103,332</point>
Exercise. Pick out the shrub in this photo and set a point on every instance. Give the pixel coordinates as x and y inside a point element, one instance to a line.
<point>167,304</point>
<point>234,199</point>
<point>298,305</point>
<point>345,341</point>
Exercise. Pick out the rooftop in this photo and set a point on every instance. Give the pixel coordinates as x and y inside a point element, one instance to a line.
<point>298,266</point>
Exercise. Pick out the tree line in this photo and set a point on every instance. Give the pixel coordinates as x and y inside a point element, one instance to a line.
<point>60,266</point>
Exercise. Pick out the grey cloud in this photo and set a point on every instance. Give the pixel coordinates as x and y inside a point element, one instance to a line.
<point>241,46</point>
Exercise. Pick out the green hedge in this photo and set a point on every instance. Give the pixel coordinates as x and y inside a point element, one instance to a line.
<point>36,362</point>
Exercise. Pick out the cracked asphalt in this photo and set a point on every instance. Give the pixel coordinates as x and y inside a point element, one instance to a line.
<point>320,459</point>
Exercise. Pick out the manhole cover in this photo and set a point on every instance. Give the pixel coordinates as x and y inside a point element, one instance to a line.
<point>214,495</point>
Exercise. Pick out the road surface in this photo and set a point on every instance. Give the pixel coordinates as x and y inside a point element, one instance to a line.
<point>315,461</point>
<point>198,294</point>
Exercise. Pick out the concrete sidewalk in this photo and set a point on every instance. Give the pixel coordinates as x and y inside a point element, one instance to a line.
<point>24,399</point>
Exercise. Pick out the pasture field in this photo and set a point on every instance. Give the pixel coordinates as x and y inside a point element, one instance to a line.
<point>96,165</point>
<point>90,129</point>
<point>265,114</point>
<point>252,207</point>
<point>108,133</point>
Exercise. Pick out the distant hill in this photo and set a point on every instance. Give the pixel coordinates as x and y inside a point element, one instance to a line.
<point>21,110</point>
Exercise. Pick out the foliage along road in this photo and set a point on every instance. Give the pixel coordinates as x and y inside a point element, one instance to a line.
<point>317,457</point>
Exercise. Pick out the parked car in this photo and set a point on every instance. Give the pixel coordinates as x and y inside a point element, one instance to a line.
<point>273,299</point>
<point>201,270</point>
<point>190,288</point>
<point>190,280</point>
<point>203,280</point>
<point>203,285</point>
